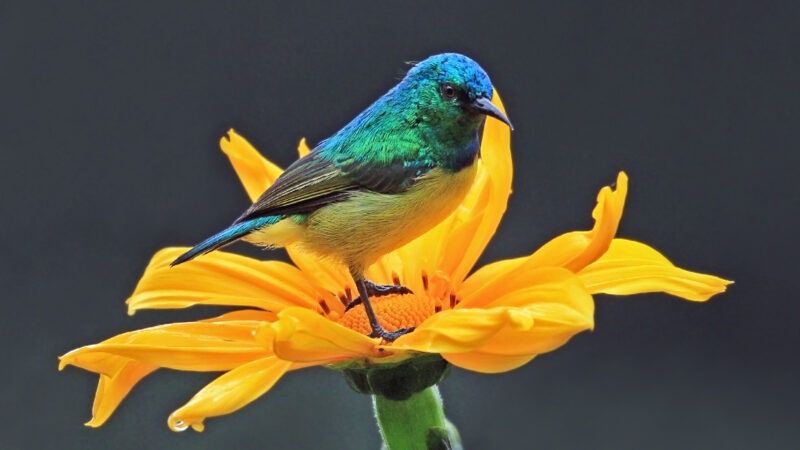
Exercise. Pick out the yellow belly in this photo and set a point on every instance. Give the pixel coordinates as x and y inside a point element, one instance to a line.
<point>282,234</point>
<point>359,230</point>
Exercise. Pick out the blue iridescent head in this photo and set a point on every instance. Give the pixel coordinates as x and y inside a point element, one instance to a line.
<point>451,86</point>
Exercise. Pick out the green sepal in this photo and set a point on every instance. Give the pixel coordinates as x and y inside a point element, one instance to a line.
<point>397,380</point>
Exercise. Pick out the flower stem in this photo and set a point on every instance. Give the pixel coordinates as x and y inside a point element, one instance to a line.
<point>415,423</point>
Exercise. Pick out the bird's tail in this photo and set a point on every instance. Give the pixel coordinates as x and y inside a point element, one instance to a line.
<point>226,236</point>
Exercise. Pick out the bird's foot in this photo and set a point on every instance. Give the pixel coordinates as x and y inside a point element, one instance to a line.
<point>378,290</point>
<point>390,336</point>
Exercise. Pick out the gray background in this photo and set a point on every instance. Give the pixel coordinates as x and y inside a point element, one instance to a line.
<point>110,117</point>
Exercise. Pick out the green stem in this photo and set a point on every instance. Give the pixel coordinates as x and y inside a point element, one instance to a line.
<point>417,423</point>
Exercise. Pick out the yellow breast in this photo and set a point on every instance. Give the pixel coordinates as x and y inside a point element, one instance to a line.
<point>359,230</point>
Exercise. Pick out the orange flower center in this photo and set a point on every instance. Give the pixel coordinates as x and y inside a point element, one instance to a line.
<point>398,311</point>
<point>393,311</point>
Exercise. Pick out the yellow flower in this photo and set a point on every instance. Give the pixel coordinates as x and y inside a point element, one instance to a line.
<point>494,320</point>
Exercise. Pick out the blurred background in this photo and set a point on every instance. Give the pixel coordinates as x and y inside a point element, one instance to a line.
<point>110,117</point>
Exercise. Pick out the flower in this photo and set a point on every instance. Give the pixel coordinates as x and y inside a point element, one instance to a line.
<point>494,320</point>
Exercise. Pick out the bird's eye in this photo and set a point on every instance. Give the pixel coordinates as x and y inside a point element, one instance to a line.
<point>449,91</point>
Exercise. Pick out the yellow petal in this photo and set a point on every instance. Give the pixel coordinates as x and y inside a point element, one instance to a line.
<point>490,272</point>
<point>385,267</point>
<point>460,330</point>
<point>576,250</point>
<point>245,315</point>
<point>255,172</point>
<point>302,148</point>
<point>509,347</point>
<point>568,250</point>
<point>204,359</point>
<point>554,326</point>
<point>453,246</point>
<point>112,389</point>
<point>486,363</point>
<point>551,305</point>
<point>302,335</point>
<point>118,375</point>
<point>557,301</point>
<point>527,284</point>
<point>199,346</point>
<point>630,267</point>
<point>222,278</point>
<point>229,392</point>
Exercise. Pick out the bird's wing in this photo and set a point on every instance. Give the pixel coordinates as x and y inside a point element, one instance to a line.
<point>387,177</point>
<point>313,181</point>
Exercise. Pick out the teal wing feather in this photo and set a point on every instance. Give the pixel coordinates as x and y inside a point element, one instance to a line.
<point>314,181</point>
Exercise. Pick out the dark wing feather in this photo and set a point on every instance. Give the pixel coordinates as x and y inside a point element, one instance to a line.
<point>313,182</point>
<point>307,184</point>
<point>391,178</point>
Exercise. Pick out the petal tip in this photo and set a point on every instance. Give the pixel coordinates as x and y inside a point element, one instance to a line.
<point>302,148</point>
<point>176,424</point>
<point>94,422</point>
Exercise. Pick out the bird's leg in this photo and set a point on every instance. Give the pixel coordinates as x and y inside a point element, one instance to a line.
<point>377,329</point>
<point>379,290</point>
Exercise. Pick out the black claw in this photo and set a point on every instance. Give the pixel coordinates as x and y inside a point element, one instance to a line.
<point>378,290</point>
<point>390,336</point>
<point>353,303</point>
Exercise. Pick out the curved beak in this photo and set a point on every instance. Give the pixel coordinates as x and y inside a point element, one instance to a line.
<point>483,105</point>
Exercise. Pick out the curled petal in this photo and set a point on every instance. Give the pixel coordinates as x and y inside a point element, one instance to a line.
<point>453,246</point>
<point>302,335</point>
<point>118,374</point>
<point>552,299</point>
<point>256,172</point>
<point>221,278</point>
<point>511,347</point>
<point>526,284</point>
<point>229,392</point>
<point>630,267</point>
<point>569,250</point>
<point>554,326</point>
<point>576,250</point>
<point>111,390</point>
<point>461,330</point>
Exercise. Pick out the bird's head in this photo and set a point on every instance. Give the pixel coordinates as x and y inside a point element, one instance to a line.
<point>451,88</point>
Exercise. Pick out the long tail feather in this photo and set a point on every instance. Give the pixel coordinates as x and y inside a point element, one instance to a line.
<point>225,237</point>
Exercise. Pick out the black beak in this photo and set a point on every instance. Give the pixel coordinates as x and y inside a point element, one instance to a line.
<point>483,105</point>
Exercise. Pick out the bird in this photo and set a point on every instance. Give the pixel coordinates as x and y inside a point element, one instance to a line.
<point>392,173</point>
